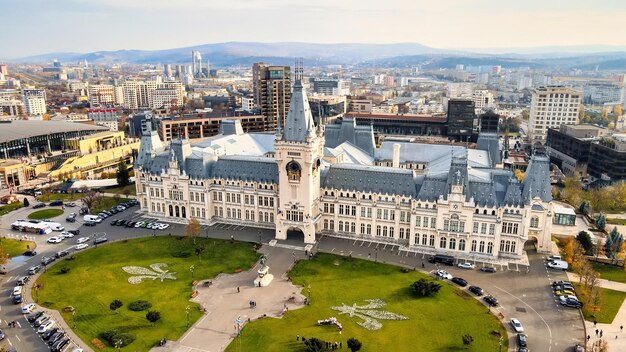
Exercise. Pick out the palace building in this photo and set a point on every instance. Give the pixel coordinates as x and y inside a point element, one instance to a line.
<point>305,181</point>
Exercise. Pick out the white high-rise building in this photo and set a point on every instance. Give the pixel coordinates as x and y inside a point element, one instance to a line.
<point>34,105</point>
<point>168,94</point>
<point>483,100</point>
<point>139,94</point>
<point>551,107</point>
<point>101,94</point>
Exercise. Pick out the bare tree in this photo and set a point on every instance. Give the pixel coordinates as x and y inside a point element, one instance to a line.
<point>126,192</point>
<point>90,197</point>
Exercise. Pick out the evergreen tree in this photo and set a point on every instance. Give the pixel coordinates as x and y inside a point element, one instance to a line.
<point>122,175</point>
<point>601,221</point>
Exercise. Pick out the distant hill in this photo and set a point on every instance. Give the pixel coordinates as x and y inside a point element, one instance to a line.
<point>315,54</point>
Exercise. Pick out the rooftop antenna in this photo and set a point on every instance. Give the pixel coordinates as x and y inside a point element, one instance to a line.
<point>299,69</point>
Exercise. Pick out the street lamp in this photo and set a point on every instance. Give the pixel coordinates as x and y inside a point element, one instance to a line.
<point>260,237</point>
<point>500,343</point>
<point>187,313</point>
<point>191,268</point>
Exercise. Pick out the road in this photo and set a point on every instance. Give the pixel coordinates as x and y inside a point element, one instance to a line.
<point>523,295</point>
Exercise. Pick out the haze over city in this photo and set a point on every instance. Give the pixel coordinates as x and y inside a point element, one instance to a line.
<point>42,26</point>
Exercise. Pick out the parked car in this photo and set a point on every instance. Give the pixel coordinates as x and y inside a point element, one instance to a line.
<point>34,269</point>
<point>114,222</point>
<point>82,240</point>
<point>56,203</point>
<point>122,223</point>
<point>56,337</point>
<point>30,253</point>
<point>561,282</point>
<point>42,319</point>
<point>468,266</point>
<point>558,264</point>
<point>23,280</point>
<point>476,290</point>
<point>131,224</point>
<point>491,300</point>
<point>522,340</point>
<point>60,345</point>
<point>65,234</point>
<point>564,293</point>
<point>55,239</point>
<point>46,326</point>
<point>17,299</point>
<point>516,325</point>
<point>47,260</point>
<point>46,335</point>
<point>100,240</point>
<point>554,257</point>
<point>39,205</point>
<point>61,254</point>
<point>71,217</point>
<point>74,232</point>
<point>459,281</point>
<point>70,204</point>
<point>570,301</point>
<point>29,308</point>
<point>443,274</point>
<point>488,269</point>
<point>33,317</point>
<point>81,246</point>
<point>90,223</point>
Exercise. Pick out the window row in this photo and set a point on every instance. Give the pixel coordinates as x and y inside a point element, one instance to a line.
<point>483,228</point>
<point>424,222</point>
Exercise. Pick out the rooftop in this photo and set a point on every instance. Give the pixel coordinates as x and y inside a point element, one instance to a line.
<point>18,129</point>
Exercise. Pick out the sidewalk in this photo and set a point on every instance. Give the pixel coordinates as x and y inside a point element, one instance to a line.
<point>610,332</point>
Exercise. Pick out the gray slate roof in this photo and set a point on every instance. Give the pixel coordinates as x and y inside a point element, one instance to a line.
<point>377,179</point>
<point>348,131</point>
<point>490,142</point>
<point>537,179</point>
<point>17,129</point>
<point>299,122</point>
<point>246,168</point>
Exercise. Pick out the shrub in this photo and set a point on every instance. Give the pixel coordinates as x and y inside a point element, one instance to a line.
<point>315,345</point>
<point>153,316</point>
<point>425,288</point>
<point>467,339</point>
<point>139,305</point>
<point>64,270</point>
<point>113,337</point>
<point>181,254</point>
<point>354,344</point>
<point>115,304</point>
<point>26,202</point>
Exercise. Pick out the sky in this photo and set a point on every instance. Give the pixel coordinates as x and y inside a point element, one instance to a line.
<point>30,27</point>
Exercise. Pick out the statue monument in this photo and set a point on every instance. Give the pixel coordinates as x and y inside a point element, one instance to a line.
<point>264,277</point>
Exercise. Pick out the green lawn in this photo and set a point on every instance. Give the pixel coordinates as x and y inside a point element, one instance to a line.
<point>60,196</point>
<point>96,278</point>
<point>610,303</point>
<point>610,272</point>
<point>45,214</point>
<point>105,203</point>
<point>120,190</point>
<point>616,221</point>
<point>4,209</point>
<point>435,324</point>
<point>15,247</point>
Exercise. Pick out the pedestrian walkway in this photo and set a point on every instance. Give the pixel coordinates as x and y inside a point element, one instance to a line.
<point>612,333</point>
<point>227,301</point>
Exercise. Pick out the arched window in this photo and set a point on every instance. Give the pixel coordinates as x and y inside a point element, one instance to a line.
<point>507,246</point>
<point>513,246</point>
<point>331,224</point>
<point>424,240</point>
<point>432,240</point>
<point>476,211</point>
<point>442,242</point>
<point>452,244</point>
<point>384,231</point>
<point>171,210</point>
<point>473,249</point>
<point>391,231</point>
<point>369,229</point>
<point>493,212</point>
<point>481,247</point>
<point>485,212</point>
<point>502,246</point>
<point>294,171</point>
<point>184,212</point>
<point>177,211</point>
<point>362,229</point>
<point>490,247</point>
<point>340,229</point>
<point>353,227</point>
<point>325,224</point>
<point>378,230</point>
<point>461,245</point>
<point>534,222</point>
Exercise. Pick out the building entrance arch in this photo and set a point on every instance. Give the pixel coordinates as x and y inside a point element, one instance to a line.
<point>295,234</point>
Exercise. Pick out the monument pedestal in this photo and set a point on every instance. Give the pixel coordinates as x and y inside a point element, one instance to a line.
<point>263,281</point>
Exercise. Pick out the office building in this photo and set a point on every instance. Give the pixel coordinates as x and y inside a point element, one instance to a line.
<point>330,86</point>
<point>483,100</point>
<point>327,108</point>
<point>489,122</point>
<point>551,107</point>
<point>102,95</point>
<point>272,92</point>
<point>569,146</point>
<point>462,122</point>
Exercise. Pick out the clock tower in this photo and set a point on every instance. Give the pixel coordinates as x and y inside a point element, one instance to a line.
<point>299,150</point>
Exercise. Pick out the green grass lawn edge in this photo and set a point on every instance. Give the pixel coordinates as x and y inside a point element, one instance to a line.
<point>14,247</point>
<point>45,214</point>
<point>610,302</point>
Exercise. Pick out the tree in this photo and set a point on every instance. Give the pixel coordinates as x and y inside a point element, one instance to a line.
<point>126,192</point>
<point>122,174</point>
<point>601,222</point>
<point>585,241</point>
<point>90,197</point>
<point>354,344</point>
<point>467,339</point>
<point>584,207</point>
<point>115,305</point>
<point>315,345</point>
<point>575,254</point>
<point>153,316</point>
<point>199,249</point>
<point>26,202</point>
<point>4,256</point>
<point>613,243</point>
<point>425,288</point>
<point>116,198</point>
<point>192,230</point>
<point>520,175</point>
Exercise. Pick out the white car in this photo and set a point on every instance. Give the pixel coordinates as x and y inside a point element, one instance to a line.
<point>46,326</point>
<point>29,308</point>
<point>77,350</point>
<point>517,326</point>
<point>82,240</point>
<point>81,246</point>
<point>443,274</point>
<point>468,266</point>
<point>55,239</point>
<point>139,223</point>
<point>17,290</point>
<point>66,234</point>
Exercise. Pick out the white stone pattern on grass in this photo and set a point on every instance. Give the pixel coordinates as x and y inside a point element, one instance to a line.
<point>145,273</point>
<point>369,313</point>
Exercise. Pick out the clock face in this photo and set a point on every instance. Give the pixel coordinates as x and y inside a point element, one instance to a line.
<point>455,206</point>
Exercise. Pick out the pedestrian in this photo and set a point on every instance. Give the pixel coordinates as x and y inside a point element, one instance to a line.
<point>340,344</point>
<point>306,252</point>
<point>238,289</point>
<point>422,265</point>
<point>369,255</point>
<point>232,238</point>
<point>616,337</point>
<point>597,332</point>
<point>588,337</point>
<point>594,323</point>
<point>601,333</point>
<point>297,337</point>
<point>621,328</point>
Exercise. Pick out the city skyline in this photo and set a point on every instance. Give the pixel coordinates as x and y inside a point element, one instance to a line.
<point>42,27</point>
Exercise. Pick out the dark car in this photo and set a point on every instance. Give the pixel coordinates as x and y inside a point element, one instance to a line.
<point>30,253</point>
<point>47,260</point>
<point>39,205</point>
<point>131,223</point>
<point>522,340</point>
<point>488,269</point>
<point>59,345</point>
<point>56,203</point>
<point>90,223</point>
<point>46,335</point>
<point>114,211</point>
<point>491,300</point>
<point>31,318</point>
<point>114,222</point>
<point>74,232</point>
<point>476,290</point>
<point>561,282</point>
<point>17,299</point>
<point>83,211</point>
<point>55,338</point>
<point>459,281</point>
<point>61,254</point>
<point>100,240</point>
<point>122,222</point>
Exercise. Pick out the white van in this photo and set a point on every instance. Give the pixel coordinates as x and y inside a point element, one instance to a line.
<point>558,264</point>
<point>92,218</point>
